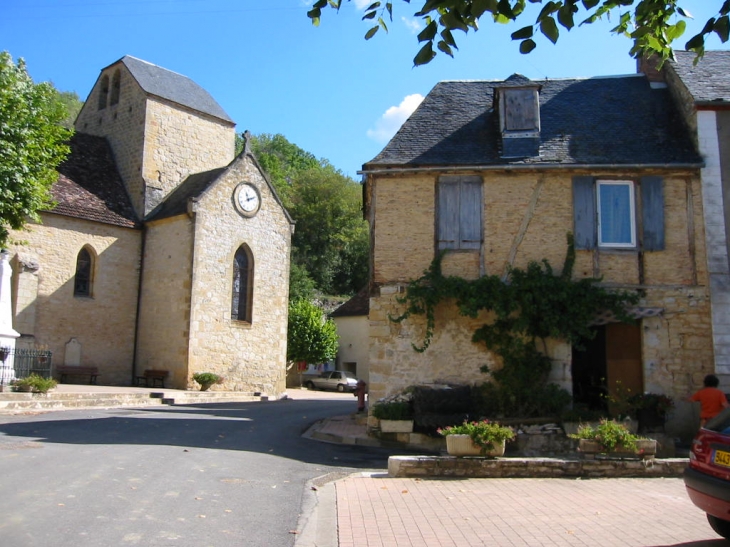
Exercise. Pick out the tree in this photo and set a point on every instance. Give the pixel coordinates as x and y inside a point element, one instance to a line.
<point>73,104</point>
<point>653,25</point>
<point>330,245</point>
<point>32,144</point>
<point>331,237</point>
<point>311,337</point>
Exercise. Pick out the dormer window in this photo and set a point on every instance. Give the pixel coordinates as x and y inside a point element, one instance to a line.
<point>518,103</point>
<point>519,112</point>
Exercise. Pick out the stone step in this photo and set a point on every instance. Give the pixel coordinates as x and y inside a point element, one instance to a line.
<point>11,401</point>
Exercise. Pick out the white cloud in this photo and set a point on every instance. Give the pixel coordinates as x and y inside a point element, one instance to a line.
<point>414,25</point>
<point>362,4</point>
<point>390,122</point>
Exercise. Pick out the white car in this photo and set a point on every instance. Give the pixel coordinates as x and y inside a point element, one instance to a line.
<point>339,380</point>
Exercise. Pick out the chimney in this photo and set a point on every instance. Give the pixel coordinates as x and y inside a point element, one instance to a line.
<point>648,65</point>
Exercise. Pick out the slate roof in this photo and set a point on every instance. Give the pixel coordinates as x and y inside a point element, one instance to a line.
<point>192,187</point>
<point>172,86</point>
<point>355,306</point>
<point>606,121</point>
<point>709,80</point>
<point>89,185</point>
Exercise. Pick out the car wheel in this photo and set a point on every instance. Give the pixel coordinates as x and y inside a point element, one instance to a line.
<point>720,526</point>
<point>340,388</point>
<point>309,385</point>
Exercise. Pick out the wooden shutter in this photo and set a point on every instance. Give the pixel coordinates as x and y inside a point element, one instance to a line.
<point>584,212</point>
<point>652,212</point>
<point>470,221</point>
<point>448,234</point>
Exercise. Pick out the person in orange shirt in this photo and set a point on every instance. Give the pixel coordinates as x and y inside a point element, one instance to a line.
<point>711,399</point>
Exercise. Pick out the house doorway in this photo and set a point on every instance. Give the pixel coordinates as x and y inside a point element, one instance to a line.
<point>608,367</point>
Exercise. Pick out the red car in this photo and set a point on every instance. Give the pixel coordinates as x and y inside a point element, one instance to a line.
<point>708,476</point>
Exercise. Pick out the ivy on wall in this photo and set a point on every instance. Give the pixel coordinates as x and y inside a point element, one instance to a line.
<point>528,305</point>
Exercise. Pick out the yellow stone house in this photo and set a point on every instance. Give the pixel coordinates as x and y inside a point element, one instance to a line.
<point>496,173</point>
<point>164,251</point>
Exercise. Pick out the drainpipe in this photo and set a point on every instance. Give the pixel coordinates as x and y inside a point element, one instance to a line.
<point>139,304</point>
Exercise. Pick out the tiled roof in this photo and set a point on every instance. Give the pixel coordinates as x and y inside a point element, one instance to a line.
<point>172,86</point>
<point>355,306</point>
<point>611,121</point>
<point>709,80</point>
<point>192,187</point>
<point>89,185</point>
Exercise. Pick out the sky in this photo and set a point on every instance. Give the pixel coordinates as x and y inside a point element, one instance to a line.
<point>326,88</point>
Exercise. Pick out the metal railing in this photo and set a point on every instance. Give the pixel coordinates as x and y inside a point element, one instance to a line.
<point>27,362</point>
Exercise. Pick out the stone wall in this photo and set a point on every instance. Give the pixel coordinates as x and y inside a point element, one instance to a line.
<point>526,218</point>
<point>164,319</point>
<point>156,143</point>
<point>47,314</point>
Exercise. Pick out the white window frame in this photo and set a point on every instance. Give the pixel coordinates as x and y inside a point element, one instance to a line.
<point>632,213</point>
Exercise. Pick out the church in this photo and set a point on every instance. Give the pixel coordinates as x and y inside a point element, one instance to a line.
<point>163,250</point>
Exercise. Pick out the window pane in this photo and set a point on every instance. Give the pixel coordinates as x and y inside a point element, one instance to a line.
<point>615,214</point>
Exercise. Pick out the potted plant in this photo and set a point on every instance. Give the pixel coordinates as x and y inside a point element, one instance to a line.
<point>207,379</point>
<point>482,438</point>
<point>34,383</point>
<point>650,410</point>
<point>394,416</point>
<point>612,438</point>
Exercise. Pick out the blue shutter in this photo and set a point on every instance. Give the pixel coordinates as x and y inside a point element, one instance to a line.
<point>448,213</point>
<point>470,209</point>
<point>652,213</point>
<point>584,212</point>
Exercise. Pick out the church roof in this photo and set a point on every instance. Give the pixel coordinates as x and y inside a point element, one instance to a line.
<point>612,121</point>
<point>172,86</point>
<point>89,185</point>
<point>191,188</point>
<point>709,80</point>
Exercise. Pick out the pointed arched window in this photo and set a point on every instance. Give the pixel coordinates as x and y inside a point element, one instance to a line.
<point>242,297</point>
<point>83,277</point>
<point>103,92</point>
<point>116,86</point>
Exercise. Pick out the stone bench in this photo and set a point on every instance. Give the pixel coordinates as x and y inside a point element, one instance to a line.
<point>67,370</point>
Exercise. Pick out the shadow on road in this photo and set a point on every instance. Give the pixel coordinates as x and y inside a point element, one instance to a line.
<point>273,428</point>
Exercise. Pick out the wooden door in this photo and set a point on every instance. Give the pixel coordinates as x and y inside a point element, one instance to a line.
<point>624,373</point>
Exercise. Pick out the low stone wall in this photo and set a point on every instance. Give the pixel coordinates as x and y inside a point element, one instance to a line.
<point>452,467</point>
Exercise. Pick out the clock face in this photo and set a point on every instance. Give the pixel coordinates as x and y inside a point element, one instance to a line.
<point>247,199</point>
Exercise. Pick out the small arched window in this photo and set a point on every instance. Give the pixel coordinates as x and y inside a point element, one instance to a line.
<point>83,278</point>
<point>242,297</point>
<point>103,92</point>
<point>116,86</point>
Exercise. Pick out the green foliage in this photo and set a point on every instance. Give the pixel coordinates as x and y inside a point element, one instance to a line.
<point>311,337</point>
<point>528,305</point>
<point>73,105</point>
<point>301,286</point>
<point>331,240</point>
<point>32,144</point>
<point>207,379</point>
<point>610,434</point>
<point>485,433</point>
<point>657,402</point>
<point>652,26</point>
<point>37,383</point>
<point>394,410</point>
<point>581,413</point>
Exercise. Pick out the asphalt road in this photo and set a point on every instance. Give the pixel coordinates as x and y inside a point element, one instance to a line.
<point>207,475</point>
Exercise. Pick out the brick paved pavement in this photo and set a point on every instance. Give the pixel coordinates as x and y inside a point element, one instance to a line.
<point>376,511</point>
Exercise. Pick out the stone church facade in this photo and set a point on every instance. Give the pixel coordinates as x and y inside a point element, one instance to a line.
<point>163,251</point>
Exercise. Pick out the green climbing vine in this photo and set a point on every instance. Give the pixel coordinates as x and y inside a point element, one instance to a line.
<point>529,305</point>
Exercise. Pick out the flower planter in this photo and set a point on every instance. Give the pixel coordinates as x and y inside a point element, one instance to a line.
<point>396,426</point>
<point>645,448</point>
<point>462,445</point>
